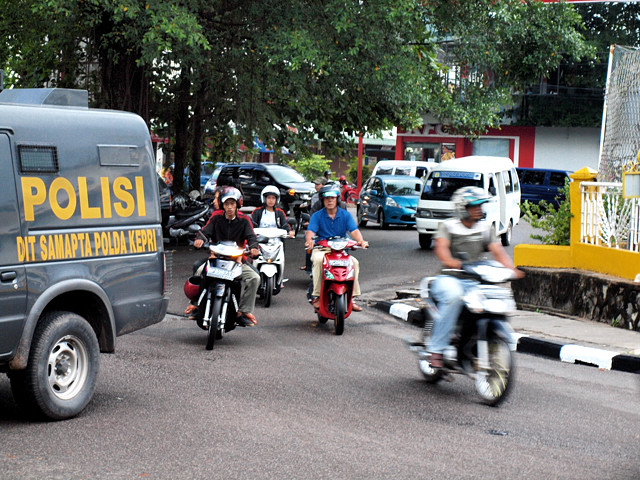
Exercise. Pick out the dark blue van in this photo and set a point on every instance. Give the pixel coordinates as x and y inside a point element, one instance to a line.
<point>542,184</point>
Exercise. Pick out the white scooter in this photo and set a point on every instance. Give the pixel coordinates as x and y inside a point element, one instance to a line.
<point>270,262</point>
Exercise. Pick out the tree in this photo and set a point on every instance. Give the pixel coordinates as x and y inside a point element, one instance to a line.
<point>291,72</point>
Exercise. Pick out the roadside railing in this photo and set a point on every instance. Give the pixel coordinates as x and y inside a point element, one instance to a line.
<point>608,219</point>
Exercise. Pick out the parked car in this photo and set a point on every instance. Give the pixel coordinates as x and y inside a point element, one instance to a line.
<point>253,177</point>
<point>210,186</point>
<point>542,184</point>
<point>165,200</point>
<point>389,199</point>
<point>206,169</point>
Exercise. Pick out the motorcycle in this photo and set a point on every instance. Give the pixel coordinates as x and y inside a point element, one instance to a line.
<point>218,291</point>
<point>188,216</point>
<point>270,262</point>
<point>350,193</point>
<point>336,289</point>
<point>484,340</point>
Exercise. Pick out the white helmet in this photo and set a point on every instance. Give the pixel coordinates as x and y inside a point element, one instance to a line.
<point>466,197</point>
<point>270,190</point>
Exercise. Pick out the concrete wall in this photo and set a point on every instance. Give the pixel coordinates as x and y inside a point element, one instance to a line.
<point>566,148</point>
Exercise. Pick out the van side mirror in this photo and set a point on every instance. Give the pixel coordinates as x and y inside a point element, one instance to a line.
<point>492,191</point>
<point>418,187</point>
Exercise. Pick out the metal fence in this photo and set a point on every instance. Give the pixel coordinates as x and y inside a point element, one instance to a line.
<point>608,219</point>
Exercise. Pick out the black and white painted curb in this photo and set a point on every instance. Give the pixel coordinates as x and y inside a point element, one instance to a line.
<point>570,353</point>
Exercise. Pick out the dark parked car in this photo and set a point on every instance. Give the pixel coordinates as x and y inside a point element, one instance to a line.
<point>541,184</point>
<point>253,177</point>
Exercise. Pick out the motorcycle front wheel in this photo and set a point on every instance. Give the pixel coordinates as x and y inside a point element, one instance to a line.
<point>496,384</point>
<point>341,310</point>
<point>268,291</point>
<point>213,324</point>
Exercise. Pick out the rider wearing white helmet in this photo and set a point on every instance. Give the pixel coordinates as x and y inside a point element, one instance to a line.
<point>269,215</point>
<point>463,238</point>
<point>230,224</point>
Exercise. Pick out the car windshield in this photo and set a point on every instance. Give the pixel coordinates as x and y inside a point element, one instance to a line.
<point>401,186</point>
<point>282,174</point>
<point>441,185</point>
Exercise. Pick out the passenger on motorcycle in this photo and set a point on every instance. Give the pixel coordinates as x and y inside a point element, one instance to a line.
<point>328,222</point>
<point>232,225</point>
<point>464,238</point>
<point>269,215</point>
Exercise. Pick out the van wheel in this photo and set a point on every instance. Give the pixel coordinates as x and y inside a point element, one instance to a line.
<point>506,236</point>
<point>425,241</point>
<point>61,374</point>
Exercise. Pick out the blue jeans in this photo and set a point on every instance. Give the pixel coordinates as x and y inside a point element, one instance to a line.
<point>448,293</point>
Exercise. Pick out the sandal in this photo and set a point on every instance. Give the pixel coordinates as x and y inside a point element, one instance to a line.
<point>190,309</point>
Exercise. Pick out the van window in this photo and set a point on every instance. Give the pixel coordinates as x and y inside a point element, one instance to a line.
<point>38,159</point>
<point>441,185</point>
<point>384,171</point>
<point>403,171</point>
<point>421,172</point>
<point>514,180</point>
<point>506,177</point>
<point>556,179</point>
<point>492,186</point>
<point>533,177</point>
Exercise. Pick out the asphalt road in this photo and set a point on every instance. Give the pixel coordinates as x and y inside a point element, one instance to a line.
<point>289,399</point>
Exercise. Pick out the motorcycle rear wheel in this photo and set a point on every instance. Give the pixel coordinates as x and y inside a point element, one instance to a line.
<point>341,310</point>
<point>213,324</point>
<point>268,291</point>
<point>495,386</point>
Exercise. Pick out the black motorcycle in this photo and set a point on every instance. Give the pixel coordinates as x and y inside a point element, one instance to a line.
<point>187,217</point>
<point>218,291</point>
<point>484,340</point>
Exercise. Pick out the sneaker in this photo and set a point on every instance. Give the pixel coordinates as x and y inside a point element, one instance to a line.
<point>435,360</point>
<point>246,320</point>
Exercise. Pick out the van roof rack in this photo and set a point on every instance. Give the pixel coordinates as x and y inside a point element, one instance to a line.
<point>60,97</point>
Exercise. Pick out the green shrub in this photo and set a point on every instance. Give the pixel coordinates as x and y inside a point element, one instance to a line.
<point>544,216</point>
<point>352,173</point>
<point>310,167</point>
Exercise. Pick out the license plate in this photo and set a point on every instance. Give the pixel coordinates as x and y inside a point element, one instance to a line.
<point>216,272</point>
<point>339,263</point>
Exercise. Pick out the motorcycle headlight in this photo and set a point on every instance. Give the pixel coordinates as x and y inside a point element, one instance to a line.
<point>390,202</point>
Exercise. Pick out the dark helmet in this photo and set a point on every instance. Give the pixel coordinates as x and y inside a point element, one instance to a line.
<point>329,191</point>
<point>327,172</point>
<point>231,192</point>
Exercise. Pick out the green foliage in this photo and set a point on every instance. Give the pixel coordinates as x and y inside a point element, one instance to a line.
<point>352,173</point>
<point>310,166</point>
<point>544,216</point>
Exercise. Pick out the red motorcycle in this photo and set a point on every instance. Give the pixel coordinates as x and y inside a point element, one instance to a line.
<point>336,289</point>
<point>348,192</point>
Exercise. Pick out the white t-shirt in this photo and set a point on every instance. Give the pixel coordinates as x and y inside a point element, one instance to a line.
<point>268,219</point>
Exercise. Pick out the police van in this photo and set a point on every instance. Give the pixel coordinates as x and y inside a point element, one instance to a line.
<point>496,176</point>
<point>81,258</point>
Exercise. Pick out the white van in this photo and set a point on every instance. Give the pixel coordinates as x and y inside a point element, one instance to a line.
<point>495,175</point>
<point>403,167</point>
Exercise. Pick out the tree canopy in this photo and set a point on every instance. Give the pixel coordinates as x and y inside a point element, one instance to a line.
<point>288,72</point>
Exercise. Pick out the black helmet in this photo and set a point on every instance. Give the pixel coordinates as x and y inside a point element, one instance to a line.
<point>329,191</point>
<point>327,172</point>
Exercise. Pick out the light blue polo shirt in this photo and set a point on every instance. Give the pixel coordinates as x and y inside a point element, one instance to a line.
<point>326,227</point>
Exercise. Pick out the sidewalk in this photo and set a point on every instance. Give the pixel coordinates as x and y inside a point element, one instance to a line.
<point>567,339</point>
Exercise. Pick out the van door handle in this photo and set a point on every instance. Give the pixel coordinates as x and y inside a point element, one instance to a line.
<point>8,276</point>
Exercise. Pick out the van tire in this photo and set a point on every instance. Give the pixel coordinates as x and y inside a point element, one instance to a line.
<point>505,238</point>
<point>425,241</point>
<point>66,341</point>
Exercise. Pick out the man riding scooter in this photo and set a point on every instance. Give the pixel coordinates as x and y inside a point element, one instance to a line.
<point>238,228</point>
<point>463,238</point>
<point>328,222</point>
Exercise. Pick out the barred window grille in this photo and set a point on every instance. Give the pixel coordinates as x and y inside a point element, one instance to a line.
<point>38,159</point>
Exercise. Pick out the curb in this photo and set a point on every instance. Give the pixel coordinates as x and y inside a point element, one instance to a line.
<point>569,353</point>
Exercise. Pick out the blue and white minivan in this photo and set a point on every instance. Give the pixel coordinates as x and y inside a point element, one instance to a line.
<point>495,175</point>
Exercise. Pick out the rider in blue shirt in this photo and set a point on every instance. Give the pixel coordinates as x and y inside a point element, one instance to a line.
<point>328,222</point>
